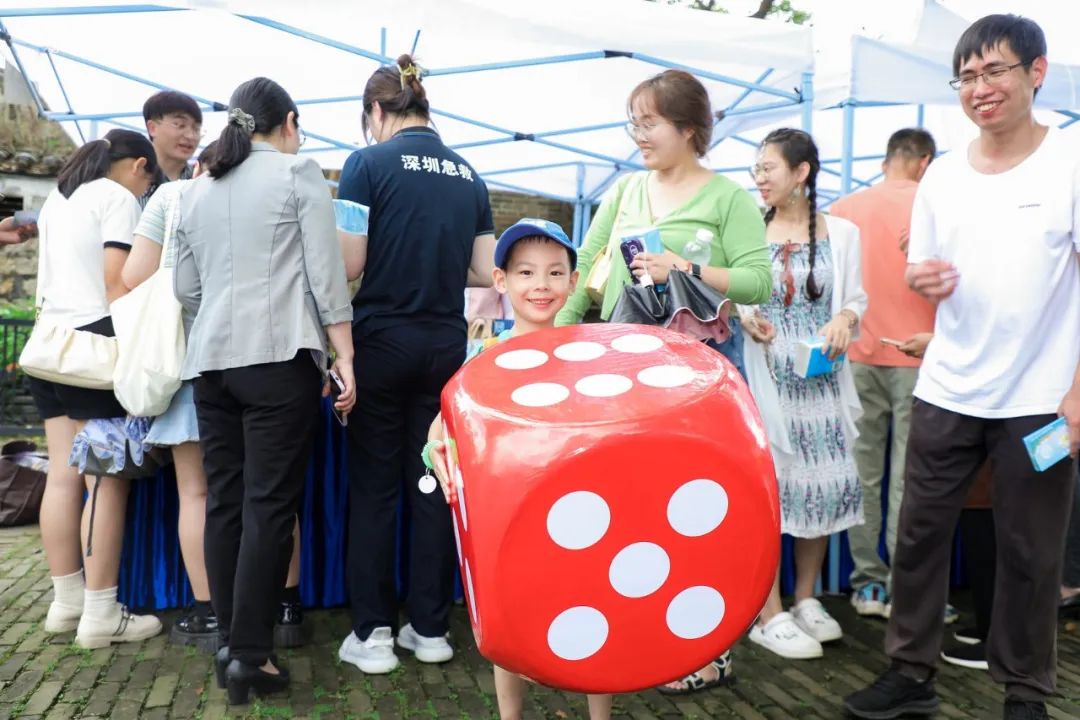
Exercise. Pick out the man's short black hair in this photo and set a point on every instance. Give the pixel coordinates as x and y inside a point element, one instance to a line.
<point>1023,36</point>
<point>169,102</point>
<point>912,143</point>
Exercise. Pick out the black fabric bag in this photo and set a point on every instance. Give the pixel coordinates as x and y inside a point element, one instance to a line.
<point>687,305</point>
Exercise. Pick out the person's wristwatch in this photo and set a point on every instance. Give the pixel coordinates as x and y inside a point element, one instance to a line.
<point>694,269</point>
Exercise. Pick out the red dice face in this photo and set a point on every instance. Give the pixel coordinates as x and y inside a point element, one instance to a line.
<point>617,516</point>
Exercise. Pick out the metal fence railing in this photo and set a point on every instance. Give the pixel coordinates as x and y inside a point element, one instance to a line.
<point>17,411</point>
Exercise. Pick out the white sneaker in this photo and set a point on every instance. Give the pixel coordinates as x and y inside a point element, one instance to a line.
<point>62,618</point>
<point>818,624</point>
<point>784,637</point>
<point>374,656</point>
<point>427,649</point>
<point>96,633</point>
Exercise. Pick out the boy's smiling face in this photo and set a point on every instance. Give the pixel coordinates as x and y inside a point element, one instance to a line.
<point>538,280</point>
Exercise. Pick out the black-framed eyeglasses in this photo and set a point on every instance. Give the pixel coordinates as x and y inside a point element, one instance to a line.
<point>993,77</point>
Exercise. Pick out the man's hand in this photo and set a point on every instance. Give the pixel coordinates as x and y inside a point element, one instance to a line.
<point>1070,410</point>
<point>933,279</point>
<point>12,234</point>
<point>915,346</point>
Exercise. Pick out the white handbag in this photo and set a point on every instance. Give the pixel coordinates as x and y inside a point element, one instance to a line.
<point>69,357</point>
<point>150,335</point>
<point>65,355</point>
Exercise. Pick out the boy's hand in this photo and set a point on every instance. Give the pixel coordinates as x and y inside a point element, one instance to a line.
<point>442,471</point>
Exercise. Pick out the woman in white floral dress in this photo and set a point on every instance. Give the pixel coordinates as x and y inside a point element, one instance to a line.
<point>816,292</point>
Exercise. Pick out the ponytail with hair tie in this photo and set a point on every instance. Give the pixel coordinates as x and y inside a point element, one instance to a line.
<point>411,70</point>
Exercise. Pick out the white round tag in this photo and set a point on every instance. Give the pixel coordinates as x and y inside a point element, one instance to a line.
<point>428,484</point>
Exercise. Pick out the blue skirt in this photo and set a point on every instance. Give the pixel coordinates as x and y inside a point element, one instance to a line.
<point>178,424</point>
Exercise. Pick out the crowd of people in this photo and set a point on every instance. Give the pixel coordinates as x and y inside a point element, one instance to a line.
<point>949,293</point>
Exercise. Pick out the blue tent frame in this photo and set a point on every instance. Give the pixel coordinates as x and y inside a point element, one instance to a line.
<point>582,200</point>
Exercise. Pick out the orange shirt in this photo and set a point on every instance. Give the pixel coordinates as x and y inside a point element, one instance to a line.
<point>883,214</point>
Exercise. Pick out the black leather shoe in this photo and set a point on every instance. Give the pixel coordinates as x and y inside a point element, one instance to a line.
<point>197,630</point>
<point>221,664</point>
<point>289,632</point>
<point>242,679</point>
<point>891,696</point>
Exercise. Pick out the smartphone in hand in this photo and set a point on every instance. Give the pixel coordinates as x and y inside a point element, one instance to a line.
<point>889,341</point>
<point>337,386</point>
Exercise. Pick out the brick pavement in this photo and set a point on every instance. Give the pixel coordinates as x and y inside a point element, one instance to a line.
<point>47,678</point>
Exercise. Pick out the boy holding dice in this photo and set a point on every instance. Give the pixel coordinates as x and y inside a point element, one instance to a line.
<point>535,266</point>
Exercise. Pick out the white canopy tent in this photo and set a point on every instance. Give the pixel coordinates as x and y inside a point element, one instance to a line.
<point>532,94</point>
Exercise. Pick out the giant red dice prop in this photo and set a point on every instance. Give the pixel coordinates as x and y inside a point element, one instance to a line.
<point>617,517</point>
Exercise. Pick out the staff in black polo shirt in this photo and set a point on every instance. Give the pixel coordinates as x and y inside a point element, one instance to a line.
<point>430,234</point>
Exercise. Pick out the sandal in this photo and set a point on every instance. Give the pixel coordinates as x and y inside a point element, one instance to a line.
<point>694,682</point>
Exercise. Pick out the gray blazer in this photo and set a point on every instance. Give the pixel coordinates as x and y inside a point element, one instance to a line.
<point>258,263</point>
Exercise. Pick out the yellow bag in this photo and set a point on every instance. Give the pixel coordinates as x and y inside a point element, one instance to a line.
<point>596,283</point>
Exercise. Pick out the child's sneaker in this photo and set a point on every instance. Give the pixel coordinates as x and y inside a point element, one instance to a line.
<point>812,617</point>
<point>870,600</point>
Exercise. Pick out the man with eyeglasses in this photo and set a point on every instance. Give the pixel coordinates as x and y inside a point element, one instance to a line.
<point>995,244</point>
<point>174,123</point>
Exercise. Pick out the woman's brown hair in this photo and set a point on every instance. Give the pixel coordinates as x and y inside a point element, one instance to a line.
<point>682,100</point>
<point>398,90</point>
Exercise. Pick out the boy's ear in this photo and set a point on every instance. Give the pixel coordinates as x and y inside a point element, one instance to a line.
<point>574,280</point>
<point>498,280</point>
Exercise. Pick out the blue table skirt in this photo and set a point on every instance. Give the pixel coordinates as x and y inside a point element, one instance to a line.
<point>152,571</point>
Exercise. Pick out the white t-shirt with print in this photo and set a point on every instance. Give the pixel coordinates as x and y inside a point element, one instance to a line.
<point>74,233</point>
<point>1007,341</point>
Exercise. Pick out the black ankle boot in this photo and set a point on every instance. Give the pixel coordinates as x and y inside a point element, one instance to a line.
<point>289,631</point>
<point>197,627</point>
<point>241,679</point>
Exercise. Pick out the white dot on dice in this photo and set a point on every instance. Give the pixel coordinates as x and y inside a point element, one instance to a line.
<point>577,633</point>
<point>697,508</point>
<point>540,394</point>
<point>695,612</point>
<point>472,595</point>
<point>603,386</point>
<point>521,359</point>
<point>666,376</point>
<point>637,343</point>
<point>639,569</point>
<point>579,351</point>
<point>578,520</point>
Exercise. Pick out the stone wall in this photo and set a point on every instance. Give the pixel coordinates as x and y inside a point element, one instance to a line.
<point>18,264</point>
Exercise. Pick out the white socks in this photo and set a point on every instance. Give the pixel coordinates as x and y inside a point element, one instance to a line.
<point>101,604</point>
<point>68,591</point>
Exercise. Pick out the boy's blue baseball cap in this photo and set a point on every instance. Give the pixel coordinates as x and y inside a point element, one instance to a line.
<point>528,227</point>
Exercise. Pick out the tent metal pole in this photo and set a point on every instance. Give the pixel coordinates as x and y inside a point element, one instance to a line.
<point>63,91</point>
<point>11,43</point>
<point>114,71</point>
<point>87,10</point>
<point>382,41</point>
<point>579,206</point>
<point>323,40</point>
<point>836,173</point>
<point>415,42</point>
<point>808,101</point>
<point>750,109</point>
<point>847,153</point>
<point>920,115</point>
<point>727,79</point>
<point>547,166</point>
<point>529,62</point>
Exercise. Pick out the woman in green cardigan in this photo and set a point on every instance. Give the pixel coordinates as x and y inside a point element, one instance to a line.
<point>671,121</point>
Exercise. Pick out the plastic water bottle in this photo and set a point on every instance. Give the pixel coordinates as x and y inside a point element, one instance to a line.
<point>699,250</point>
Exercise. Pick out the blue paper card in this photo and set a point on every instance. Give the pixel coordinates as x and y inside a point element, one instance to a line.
<point>811,360</point>
<point>1048,445</point>
<point>351,217</point>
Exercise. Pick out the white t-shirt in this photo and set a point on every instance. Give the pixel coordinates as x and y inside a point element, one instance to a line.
<point>1007,341</point>
<point>74,233</point>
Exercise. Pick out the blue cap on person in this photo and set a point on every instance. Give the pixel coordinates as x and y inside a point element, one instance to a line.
<point>531,227</point>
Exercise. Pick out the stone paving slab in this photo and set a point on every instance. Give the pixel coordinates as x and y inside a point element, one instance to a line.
<point>48,678</point>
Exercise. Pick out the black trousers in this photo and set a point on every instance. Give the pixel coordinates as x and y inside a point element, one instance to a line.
<point>400,372</point>
<point>1031,511</point>
<point>980,559</point>
<point>255,428</point>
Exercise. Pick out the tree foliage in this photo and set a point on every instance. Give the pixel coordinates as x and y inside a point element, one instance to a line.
<point>781,10</point>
